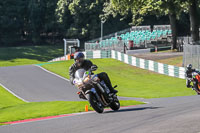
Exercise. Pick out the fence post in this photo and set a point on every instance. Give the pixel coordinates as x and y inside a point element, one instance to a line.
<point>183,64</point>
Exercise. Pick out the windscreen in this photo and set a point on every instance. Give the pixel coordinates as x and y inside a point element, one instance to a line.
<point>79,73</point>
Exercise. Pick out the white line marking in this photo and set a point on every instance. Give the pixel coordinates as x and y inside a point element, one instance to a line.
<point>13,93</point>
<point>52,73</point>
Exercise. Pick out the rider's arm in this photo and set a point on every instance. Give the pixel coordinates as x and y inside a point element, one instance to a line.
<point>194,70</point>
<point>88,64</point>
<point>72,72</point>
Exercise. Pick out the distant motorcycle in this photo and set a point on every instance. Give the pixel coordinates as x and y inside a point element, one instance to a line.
<point>95,91</point>
<point>195,79</point>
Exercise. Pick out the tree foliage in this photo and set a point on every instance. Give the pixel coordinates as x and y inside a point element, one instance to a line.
<point>82,15</point>
<point>26,21</point>
<point>44,21</point>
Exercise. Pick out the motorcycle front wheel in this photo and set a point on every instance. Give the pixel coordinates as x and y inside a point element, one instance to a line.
<point>96,105</point>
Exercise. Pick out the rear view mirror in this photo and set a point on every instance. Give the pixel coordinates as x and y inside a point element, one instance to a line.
<point>94,68</point>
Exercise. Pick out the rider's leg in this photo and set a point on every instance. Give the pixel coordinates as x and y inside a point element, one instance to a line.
<point>103,76</point>
<point>188,83</point>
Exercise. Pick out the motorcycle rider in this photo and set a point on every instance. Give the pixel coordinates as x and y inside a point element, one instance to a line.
<point>80,62</point>
<point>188,73</point>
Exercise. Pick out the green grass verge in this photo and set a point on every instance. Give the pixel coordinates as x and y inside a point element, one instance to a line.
<point>132,81</point>
<point>13,109</point>
<point>13,56</point>
<point>176,61</point>
<point>42,109</point>
<point>7,99</point>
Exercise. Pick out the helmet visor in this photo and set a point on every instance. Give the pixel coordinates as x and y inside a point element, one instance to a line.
<point>79,60</point>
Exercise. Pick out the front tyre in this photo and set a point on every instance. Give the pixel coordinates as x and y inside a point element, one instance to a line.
<point>115,105</point>
<point>96,105</point>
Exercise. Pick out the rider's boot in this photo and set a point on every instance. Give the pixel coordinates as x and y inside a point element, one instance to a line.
<point>189,86</point>
<point>112,90</point>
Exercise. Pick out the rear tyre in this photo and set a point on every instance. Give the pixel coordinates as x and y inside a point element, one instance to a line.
<point>96,105</point>
<point>115,105</point>
<point>198,93</point>
<point>197,89</point>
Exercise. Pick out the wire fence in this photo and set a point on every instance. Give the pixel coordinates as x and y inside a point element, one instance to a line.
<point>133,38</point>
<point>118,45</point>
<point>191,55</point>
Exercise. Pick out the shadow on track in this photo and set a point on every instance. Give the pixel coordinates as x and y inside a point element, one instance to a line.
<point>132,109</point>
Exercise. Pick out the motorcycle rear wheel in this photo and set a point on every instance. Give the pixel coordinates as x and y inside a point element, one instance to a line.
<point>197,89</point>
<point>115,105</point>
<point>96,105</point>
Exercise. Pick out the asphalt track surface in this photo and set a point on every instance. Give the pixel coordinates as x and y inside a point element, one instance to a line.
<point>33,84</point>
<point>163,115</point>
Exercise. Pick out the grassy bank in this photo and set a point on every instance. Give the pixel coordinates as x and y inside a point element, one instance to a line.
<point>176,61</point>
<point>42,109</point>
<point>13,56</point>
<point>132,81</point>
<point>13,109</point>
<point>7,99</point>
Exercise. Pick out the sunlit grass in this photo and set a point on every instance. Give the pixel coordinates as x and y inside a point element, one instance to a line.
<point>176,61</point>
<point>132,81</point>
<point>14,109</point>
<point>42,109</point>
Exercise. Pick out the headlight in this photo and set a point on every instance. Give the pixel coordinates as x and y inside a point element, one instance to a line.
<point>79,85</point>
<point>86,79</point>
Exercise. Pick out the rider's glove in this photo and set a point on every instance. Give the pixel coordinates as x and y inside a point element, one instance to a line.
<point>72,80</point>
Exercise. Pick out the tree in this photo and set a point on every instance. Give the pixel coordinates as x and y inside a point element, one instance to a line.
<point>30,21</point>
<point>194,19</point>
<point>82,17</point>
<point>192,7</point>
<point>172,8</point>
<point>12,21</point>
<point>64,17</point>
<point>42,19</point>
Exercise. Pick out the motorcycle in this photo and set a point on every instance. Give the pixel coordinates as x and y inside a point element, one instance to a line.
<point>195,79</point>
<point>95,91</point>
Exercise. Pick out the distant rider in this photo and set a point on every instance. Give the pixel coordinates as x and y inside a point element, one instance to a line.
<point>188,73</point>
<point>80,62</point>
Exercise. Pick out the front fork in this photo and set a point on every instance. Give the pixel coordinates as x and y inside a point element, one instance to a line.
<point>105,92</point>
<point>99,99</point>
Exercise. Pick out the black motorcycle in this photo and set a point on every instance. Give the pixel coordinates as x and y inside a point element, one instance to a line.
<point>95,91</point>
